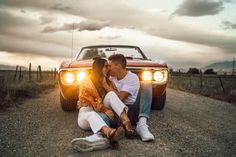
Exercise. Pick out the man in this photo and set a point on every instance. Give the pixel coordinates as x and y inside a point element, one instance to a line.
<point>127,84</point>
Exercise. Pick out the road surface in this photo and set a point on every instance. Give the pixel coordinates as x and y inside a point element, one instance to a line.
<point>189,125</point>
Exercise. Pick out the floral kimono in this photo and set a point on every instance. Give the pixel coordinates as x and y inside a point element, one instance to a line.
<point>88,96</point>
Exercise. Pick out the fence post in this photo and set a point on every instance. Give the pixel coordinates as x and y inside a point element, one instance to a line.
<point>221,83</point>
<point>30,72</point>
<point>39,73</point>
<point>16,72</point>
<point>20,75</point>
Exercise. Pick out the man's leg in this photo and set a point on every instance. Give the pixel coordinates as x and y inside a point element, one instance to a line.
<point>111,123</point>
<point>144,112</point>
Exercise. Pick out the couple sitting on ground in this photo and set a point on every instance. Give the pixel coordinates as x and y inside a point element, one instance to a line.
<point>110,106</point>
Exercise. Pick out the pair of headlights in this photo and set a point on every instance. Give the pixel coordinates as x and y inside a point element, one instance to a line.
<point>71,77</point>
<point>158,76</point>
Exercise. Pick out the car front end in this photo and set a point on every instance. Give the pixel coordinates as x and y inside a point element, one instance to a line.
<point>152,72</point>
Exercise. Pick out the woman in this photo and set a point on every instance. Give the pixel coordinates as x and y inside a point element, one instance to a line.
<point>93,99</point>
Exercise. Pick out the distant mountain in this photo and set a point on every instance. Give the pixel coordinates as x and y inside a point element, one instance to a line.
<point>10,67</point>
<point>226,66</point>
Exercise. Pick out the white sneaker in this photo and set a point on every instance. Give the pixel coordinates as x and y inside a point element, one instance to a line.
<point>90,143</point>
<point>144,133</point>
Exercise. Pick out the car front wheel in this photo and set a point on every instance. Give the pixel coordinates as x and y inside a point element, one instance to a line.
<point>158,103</point>
<point>68,104</point>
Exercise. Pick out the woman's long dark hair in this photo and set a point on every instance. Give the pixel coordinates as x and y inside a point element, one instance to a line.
<point>97,75</point>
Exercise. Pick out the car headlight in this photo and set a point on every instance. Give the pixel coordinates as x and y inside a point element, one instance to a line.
<point>147,76</point>
<point>69,77</point>
<point>160,76</point>
<point>81,75</point>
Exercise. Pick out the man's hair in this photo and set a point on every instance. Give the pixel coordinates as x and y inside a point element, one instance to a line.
<point>118,59</point>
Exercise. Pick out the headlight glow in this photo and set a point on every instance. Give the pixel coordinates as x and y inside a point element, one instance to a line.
<point>69,77</point>
<point>158,76</point>
<point>147,76</point>
<point>81,75</point>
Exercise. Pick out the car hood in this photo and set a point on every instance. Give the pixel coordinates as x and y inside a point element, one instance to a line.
<point>130,63</point>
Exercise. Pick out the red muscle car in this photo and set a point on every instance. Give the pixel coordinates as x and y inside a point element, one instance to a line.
<point>71,73</point>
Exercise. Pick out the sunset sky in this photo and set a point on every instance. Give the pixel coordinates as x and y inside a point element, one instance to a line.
<point>184,33</point>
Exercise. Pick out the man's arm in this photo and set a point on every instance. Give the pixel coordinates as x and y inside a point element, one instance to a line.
<point>122,94</point>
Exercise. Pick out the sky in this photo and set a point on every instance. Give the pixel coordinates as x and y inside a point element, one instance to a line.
<point>183,33</point>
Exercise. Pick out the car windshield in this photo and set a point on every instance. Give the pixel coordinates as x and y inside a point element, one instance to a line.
<point>105,52</point>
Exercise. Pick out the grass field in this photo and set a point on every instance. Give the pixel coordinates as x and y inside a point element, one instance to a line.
<point>221,87</point>
<point>15,89</point>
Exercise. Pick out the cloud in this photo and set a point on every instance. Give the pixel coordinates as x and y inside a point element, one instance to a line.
<point>21,35</point>
<point>23,11</point>
<point>197,36</point>
<point>61,7</point>
<point>46,20</point>
<point>21,45</point>
<point>116,14</point>
<point>90,25</point>
<point>10,22</point>
<point>228,25</point>
<point>199,8</point>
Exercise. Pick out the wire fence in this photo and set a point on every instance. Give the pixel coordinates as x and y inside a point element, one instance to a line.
<point>217,86</point>
<point>24,75</point>
<point>24,83</point>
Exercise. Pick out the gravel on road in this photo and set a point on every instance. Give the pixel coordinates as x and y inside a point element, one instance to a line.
<point>189,125</point>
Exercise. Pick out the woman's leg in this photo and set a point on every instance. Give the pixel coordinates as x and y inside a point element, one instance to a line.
<point>111,100</point>
<point>88,119</point>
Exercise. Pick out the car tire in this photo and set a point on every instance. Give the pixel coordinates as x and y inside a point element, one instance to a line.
<point>68,104</point>
<point>158,103</point>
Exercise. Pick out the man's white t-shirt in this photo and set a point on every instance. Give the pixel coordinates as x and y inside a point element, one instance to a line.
<point>130,83</point>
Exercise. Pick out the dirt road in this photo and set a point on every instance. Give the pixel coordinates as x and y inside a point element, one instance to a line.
<point>190,125</point>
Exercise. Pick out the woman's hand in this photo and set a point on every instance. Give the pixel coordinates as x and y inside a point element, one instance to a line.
<point>110,114</point>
